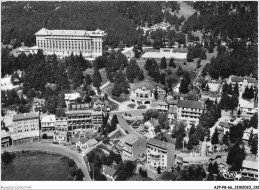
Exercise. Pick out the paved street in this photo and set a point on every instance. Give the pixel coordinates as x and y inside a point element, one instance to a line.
<point>79,160</point>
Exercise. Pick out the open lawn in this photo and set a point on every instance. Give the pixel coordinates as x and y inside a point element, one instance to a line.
<point>36,166</point>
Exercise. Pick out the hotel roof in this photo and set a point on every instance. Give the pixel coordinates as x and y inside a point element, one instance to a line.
<point>23,116</point>
<point>190,104</point>
<point>78,33</point>
<point>160,144</point>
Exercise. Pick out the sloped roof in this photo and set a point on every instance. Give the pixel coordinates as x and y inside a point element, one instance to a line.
<point>190,104</point>
<point>130,139</point>
<point>91,142</point>
<point>4,134</point>
<point>224,124</point>
<point>221,161</point>
<point>161,102</point>
<point>108,170</point>
<point>237,79</point>
<point>172,110</point>
<point>172,101</point>
<point>250,164</point>
<point>30,115</point>
<point>161,144</point>
<point>43,31</point>
<point>154,122</point>
<point>48,118</point>
<point>148,84</point>
<point>84,140</point>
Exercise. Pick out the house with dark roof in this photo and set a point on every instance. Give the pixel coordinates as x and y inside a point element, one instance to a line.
<point>160,154</point>
<point>109,172</point>
<point>143,92</point>
<point>189,110</point>
<point>5,139</point>
<point>133,147</point>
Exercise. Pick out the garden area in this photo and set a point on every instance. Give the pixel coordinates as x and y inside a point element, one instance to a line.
<point>141,107</point>
<point>131,106</point>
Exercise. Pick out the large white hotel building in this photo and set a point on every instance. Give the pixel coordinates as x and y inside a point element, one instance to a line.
<point>64,42</point>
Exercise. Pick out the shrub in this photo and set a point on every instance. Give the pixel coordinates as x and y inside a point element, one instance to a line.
<point>141,107</point>
<point>71,163</point>
<point>44,136</point>
<point>142,172</point>
<point>7,157</point>
<point>131,105</point>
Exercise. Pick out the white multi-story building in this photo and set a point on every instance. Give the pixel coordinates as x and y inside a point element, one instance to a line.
<point>160,154</point>
<point>25,128</point>
<point>189,111</point>
<point>48,123</point>
<point>65,42</point>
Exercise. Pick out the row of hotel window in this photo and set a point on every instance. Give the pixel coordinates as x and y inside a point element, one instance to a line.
<point>60,45</point>
<point>156,150</point>
<point>27,128</point>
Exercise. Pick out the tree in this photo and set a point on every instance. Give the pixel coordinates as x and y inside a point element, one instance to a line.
<point>158,170</point>
<point>61,101</point>
<point>236,156</point>
<point>79,175</point>
<point>226,139</point>
<point>179,141</point>
<point>179,71</point>
<point>190,56</point>
<point>142,172</point>
<point>184,86</point>
<point>121,45</point>
<point>96,78</point>
<point>125,170</point>
<point>215,168</point>
<point>163,64</point>
<point>253,143</point>
<point>88,79</point>
<point>236,133</point>
<point>7,157</point>
<point>215,139</point>
<point>156,94</point>
<point>171,63</point>
<point>140,75</point>
<point>254,121</point>
<point>189,145</point>
<point>199,63</point>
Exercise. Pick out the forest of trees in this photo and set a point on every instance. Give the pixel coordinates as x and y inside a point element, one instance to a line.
<point>21,20</point>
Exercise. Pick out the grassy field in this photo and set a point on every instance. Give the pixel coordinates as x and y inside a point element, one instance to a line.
<point>36,166</point>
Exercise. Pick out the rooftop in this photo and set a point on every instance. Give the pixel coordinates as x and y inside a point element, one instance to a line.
<point>250,164</point>
<point>150,85</point>
<point>4,134</point>
<point>130,139</point>
<point>190,104</point>
<point>23,116</point>
<point>158,143</point>
<point>91,142</point>
<point>108,170</point>
<point>48,118</point>
<point>154,122</point>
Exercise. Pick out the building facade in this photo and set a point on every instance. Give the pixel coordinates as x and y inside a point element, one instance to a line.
<point>189,111</point>
<point>25,128</point>
<point>82,116</point>
<point>48,123</point>
<point>160,154</point>
<point>143,92</point>
<point>134,146</point>
<point>61,129</point>
<point>65,42</point>
<point>5,139</point>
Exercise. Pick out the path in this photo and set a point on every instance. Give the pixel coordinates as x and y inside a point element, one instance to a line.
<point>79,160</point>
<point>104,85</point>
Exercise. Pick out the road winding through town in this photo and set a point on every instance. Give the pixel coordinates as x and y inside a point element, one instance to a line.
<point>53,148</point>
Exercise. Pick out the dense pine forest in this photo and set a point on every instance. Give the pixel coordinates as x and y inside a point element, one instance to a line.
<point>21,20</point>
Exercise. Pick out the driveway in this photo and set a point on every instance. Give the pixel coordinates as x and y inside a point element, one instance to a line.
<point>79,160</point>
